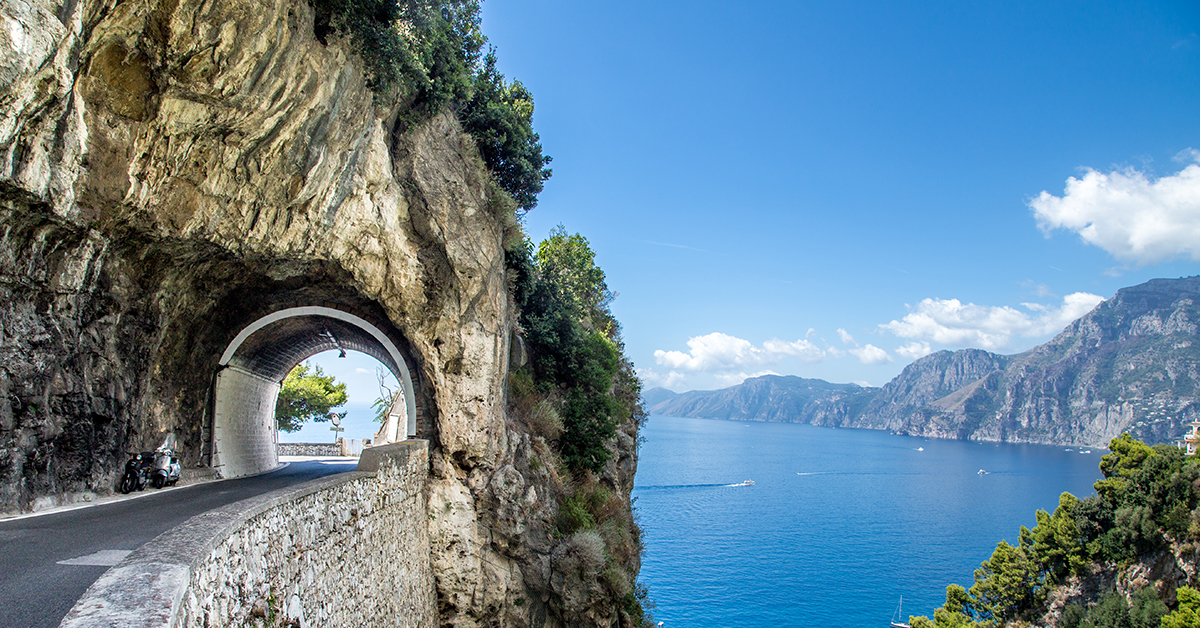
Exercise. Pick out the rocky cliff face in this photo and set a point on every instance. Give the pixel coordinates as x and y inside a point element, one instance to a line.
<point>171,171</point>
<point>1130,365</point>
<point>924,382</point>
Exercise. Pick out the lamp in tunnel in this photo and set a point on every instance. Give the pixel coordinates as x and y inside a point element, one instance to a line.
<point>333,338</point>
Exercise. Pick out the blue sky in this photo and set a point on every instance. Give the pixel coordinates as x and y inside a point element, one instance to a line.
<point>755,177</point>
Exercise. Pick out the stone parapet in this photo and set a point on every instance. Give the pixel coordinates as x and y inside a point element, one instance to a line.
<point>309,449</point>
<point>349,550</point>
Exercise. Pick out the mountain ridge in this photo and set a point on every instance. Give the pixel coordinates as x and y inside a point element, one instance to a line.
<point>1131,364</point>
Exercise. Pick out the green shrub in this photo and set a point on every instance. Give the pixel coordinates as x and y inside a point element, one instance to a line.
<point>499,116</point>
<point>1188,613</point>
<point>573,515</point>
<point>573,344</point>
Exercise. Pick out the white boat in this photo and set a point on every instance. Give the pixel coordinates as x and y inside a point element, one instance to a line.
<point>898,616</point>
<point>982,472</point>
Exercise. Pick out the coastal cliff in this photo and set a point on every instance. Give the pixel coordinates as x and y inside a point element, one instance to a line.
<point>169,172</point>
<point>1131,365</point>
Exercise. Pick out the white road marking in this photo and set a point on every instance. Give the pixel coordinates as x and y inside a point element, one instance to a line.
<point>103,558</point>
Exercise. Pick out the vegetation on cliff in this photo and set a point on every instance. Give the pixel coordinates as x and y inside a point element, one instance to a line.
<point>579,393</point>
<point>1144,508</point>
<point>429,52</point>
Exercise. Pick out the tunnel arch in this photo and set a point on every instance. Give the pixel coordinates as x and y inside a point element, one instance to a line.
<point>255,362</point>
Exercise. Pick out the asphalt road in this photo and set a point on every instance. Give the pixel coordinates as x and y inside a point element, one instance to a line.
<point>37,591</point>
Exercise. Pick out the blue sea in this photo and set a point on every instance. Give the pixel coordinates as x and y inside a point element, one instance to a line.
<point>358,423</point>
<point>838,524</point>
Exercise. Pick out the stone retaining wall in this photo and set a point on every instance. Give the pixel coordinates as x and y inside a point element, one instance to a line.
<point>349,550</point>
<point>309,449</point>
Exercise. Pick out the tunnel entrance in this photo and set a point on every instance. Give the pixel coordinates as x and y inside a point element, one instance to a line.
<point>261,355</point>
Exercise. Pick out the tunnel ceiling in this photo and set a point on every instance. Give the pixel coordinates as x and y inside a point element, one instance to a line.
<point>275,349</point>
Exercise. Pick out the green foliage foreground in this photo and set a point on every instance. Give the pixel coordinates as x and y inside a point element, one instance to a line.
<point>1146,501</point>
<point>428,52</point>
<point>307,396</point>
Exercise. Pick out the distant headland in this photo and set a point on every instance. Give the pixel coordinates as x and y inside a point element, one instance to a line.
<point>1130,365</point>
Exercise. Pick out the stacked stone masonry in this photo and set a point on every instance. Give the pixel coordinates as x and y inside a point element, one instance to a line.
<point>309,449</point>
<point>351,550</point>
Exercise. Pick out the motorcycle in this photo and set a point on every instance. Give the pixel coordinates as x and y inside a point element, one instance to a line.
<point>137,471</point>
<point>166,467</point>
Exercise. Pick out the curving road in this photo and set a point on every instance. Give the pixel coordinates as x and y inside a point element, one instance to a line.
<point>48,561</point>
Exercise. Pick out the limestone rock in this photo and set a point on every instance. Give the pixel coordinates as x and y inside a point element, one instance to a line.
<point>170,172</point>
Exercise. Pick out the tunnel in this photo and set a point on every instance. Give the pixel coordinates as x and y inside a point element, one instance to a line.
<point>253,366</point>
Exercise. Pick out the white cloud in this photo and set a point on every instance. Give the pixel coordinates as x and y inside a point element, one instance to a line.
<point>801,349</point>
<point>719,352</point>
<point>870,354</point>
<point>364,371</point>
<point>733,379</point>
<point>652,378</point>
<point>847,339</point>
<point>914,350</point>
<point>949,322</point>
<point>1133,216</point>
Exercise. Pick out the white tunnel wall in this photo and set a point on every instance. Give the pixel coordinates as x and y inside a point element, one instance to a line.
<point>244,423</point>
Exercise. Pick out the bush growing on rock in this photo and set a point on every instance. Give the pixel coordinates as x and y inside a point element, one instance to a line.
<point>574,345</point>
<point>580,554</point>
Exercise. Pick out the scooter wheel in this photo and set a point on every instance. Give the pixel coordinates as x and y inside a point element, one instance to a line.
<point>158,481</point>
<point>128,483</point>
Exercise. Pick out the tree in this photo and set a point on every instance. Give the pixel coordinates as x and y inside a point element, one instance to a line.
<point>499,116</point>
<point>574,344</point>
<point>1056,542</point>
<point>1188,613</point>
<point>1119,467</point>
<point>568,263</point>
<point>307,397</point>
<point>383,403</point>
<point>955,613</point>
<point>1006,585</point>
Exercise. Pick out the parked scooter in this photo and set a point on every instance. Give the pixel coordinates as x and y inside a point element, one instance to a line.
<point>166,467</point>
<point>137,471</point>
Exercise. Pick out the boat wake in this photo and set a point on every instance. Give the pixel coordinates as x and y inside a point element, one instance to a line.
<point>660,487</point>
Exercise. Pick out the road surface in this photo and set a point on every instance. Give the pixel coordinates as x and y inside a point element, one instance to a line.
<point>47,562</point>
